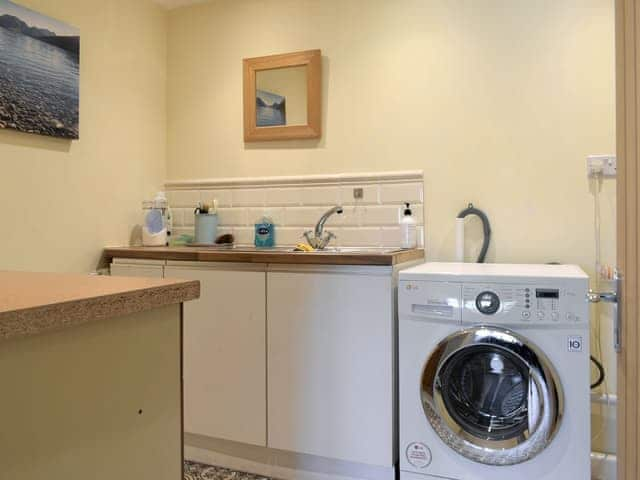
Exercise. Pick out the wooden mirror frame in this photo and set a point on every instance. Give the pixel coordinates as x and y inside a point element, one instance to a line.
<point>312,59</point>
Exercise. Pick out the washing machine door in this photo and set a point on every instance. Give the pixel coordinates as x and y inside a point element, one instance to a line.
<point>492,396</point>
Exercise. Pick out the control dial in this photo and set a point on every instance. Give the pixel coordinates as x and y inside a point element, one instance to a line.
<point>487,303</point>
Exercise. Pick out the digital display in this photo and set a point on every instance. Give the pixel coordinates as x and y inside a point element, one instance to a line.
<point>547,293</point>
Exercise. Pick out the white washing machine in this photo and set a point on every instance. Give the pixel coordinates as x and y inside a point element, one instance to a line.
<point>494,372</point>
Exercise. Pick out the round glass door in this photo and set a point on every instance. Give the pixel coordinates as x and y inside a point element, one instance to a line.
<point>491,396</point>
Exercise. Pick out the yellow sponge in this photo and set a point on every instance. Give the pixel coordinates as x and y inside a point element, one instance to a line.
<point>303,247</point>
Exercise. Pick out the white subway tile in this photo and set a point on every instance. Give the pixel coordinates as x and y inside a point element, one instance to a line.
<point>248,197</point>
<point>389,214</point>
<point>183,198</point>
<point>418,213</point>
<point>370,221</point>
<point>222,196</point>
<point>283,196</point>
<point>244,235</point>
<point>381,215</point>
<point>370,195</point>
<point>188,216</point>
<point>401,192</point>
<point>353,215</point>
<point>302,216</point>
<point>358,237</point>
<point>289,236</point>
<point>321,196</point>
<point>276,214</point>
<point>233,216</point>
<point>177,215</point>
<point>309,216</point>
<point>391,237</point>
<point>182,231</point>
<point>334,220</point>
<point>223,231</point>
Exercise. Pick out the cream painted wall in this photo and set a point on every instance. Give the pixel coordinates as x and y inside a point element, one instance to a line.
<point>61,202</point>
<point>499,105</point>
<point>499,102</point>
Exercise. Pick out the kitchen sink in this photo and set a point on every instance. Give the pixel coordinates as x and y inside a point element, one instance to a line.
<point>352,250</point>
<point>327,250</point>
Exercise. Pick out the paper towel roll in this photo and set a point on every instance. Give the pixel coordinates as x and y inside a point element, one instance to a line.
<point>459,239</point>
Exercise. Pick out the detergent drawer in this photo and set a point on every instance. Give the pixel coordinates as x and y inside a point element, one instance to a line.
<point>430,300</point>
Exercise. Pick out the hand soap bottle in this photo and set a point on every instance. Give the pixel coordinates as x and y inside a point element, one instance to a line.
<point>265,235</point>
<point>408,228</point>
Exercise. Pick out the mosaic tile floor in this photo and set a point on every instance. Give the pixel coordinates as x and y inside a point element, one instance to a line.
<point>199,471</point>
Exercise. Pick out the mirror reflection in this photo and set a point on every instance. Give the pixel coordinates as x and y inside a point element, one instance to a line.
<point>281,97</point>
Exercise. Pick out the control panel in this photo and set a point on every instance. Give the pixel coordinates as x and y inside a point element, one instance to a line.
<point>495,303</point>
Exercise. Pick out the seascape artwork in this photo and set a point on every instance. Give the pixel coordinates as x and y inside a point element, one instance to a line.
<point>39,73</point>
<point>270,109</point>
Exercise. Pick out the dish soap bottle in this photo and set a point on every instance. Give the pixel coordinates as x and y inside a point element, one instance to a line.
<point>408,228</point>
<point>265,235</point>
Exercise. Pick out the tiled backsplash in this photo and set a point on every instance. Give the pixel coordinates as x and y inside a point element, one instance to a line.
<point>296,203</point>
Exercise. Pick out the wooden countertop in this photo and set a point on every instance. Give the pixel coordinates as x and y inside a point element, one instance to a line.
<point>370,256</point>
<point>32,303</point>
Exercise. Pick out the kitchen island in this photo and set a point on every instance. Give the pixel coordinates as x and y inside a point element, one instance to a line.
<point>91,370</point>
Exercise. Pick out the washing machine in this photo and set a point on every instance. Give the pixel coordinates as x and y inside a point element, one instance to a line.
<point>494,372</point>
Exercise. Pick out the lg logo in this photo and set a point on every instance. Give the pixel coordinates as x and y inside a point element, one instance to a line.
<point>574,343</point>
<point>418,455</point>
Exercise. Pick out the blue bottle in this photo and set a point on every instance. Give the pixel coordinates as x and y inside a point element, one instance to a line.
<point>265,233</point>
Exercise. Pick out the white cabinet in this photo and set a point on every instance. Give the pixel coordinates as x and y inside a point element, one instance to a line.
<point>225,351</point>
<point>296,358</point>
<point>131,268</point>
<point>330,363</point>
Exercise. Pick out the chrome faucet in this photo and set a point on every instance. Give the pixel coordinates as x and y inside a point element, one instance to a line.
<point>320,238</point>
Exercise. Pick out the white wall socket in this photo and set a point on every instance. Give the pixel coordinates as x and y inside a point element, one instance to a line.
<point>605,163</point>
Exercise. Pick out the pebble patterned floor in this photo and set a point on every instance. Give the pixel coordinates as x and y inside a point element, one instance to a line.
<point>199,471</point>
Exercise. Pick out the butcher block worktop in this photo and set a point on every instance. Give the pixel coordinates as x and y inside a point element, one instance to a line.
<point>32,303</point>
<point>339,256</point>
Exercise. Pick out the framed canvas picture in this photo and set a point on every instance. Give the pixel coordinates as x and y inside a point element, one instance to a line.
<point>39,73</point>
<point>271,109</point>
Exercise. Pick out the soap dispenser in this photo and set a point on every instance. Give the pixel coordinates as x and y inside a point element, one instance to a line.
<point>408,228</point>
<point>155,227</point>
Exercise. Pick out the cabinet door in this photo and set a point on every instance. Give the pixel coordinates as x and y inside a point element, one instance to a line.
<point>136,270</point>
<point>224,354</point>
<point>330,365</point>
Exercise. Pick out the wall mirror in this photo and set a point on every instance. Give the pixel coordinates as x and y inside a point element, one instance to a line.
<point>282,96</point>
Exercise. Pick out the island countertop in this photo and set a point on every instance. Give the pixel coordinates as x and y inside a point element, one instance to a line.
<point>282,255</point>
<point>32,303</point>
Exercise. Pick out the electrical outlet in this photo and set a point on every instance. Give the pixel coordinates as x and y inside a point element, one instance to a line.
<point>358,193</point>
<point>604,163</point>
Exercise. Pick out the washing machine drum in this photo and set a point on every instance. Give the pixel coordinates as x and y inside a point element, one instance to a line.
<point>492,396</point>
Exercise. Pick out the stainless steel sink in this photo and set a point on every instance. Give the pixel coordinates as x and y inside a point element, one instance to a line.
<point>359,250</point>
<point>356,250</point>
<point>250,249</point>
<point>333,250</point>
